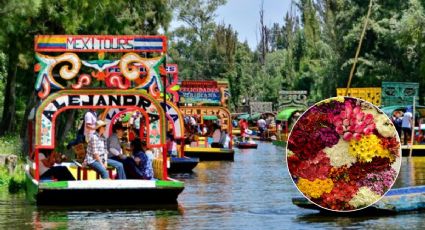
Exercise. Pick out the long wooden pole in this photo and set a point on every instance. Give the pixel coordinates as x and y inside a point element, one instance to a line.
<point>412,135</point>
<point>356,57</point>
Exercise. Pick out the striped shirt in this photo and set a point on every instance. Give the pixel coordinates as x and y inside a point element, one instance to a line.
<point>97,145</point>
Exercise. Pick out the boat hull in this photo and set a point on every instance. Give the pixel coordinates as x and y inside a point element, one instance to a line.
<point>247,145</point>
<point>211,154</point>
<point>417,150</point>
<point>103,192</point>
<point>397,200</point>
<point>182,164</point>
<point>279,143</point>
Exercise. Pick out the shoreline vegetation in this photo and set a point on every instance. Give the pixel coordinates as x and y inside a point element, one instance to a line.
<point>12,174</point>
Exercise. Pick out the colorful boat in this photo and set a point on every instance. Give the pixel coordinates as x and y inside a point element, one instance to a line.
<point>56,96</point>
<point>287,119</point>
<point>200,148</point>
<point>418,149</point>
<point>181,163</point>
<point>397,200</point>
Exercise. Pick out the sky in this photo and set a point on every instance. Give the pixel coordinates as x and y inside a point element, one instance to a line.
<point>244,16</point>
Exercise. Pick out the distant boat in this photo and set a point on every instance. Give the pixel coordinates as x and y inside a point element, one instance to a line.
<point>247,145</point>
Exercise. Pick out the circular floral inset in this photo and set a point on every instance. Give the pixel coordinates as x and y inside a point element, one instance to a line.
<point>343,154</point>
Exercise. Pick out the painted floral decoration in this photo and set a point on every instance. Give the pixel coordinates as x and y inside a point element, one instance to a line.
<point>344,154</point>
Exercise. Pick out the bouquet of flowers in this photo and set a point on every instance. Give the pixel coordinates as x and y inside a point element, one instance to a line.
<point>343,154</point>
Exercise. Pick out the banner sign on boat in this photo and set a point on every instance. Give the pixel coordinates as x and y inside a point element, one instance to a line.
<point>221,112</point>
<point>200,93</point>
<point>53,105</point>
<point>99,43</point>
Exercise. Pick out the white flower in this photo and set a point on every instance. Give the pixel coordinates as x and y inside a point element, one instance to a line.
<point>364,197</point>
<point>339,155</point>
<point>384,126</point>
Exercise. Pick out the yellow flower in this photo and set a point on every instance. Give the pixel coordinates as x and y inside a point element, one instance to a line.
<point>368,147</point>
<point>364,197</point>
<point>316,188</point>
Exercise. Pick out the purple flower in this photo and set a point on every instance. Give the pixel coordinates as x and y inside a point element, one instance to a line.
<point>379,182</point>
<point>327,136</point>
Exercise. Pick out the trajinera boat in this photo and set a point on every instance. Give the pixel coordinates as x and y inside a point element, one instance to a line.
<point>396,200</point>
<point>72,89</point>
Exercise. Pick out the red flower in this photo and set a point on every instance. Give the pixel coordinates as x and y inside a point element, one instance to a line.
<point>316,167</point>
<point>339,197</point>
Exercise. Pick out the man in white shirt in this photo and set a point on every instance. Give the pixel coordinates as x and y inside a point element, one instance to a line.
<point>90,119</point>
<point>406,124</point>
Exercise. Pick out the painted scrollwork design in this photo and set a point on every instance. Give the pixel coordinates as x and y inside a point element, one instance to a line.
<point>83,79</point>
<point>151,65</point>
<point>48,63</point>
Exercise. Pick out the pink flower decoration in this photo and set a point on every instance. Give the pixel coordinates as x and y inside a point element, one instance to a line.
<point>353,123</point>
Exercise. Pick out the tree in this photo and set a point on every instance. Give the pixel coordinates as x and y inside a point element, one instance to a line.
<point>191,43</point>
<point>23,19</point>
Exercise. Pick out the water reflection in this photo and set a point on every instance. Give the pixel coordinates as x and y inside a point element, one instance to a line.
<point>253,192</point>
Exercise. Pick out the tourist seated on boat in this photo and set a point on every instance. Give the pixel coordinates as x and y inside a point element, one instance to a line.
<point>49,171</point>
<point>171,145</point>
<point>97,154</point>
<point>139,165</point>
<point>216,137</point>
<point>115,151</point>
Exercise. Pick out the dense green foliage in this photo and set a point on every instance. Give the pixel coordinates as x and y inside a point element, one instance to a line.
<point>312,50</point>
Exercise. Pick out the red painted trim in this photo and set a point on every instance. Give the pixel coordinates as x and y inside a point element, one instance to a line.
<point>37,166</point>
<point>30,136</point>
<point>164,162</point>
<point>145,115</point>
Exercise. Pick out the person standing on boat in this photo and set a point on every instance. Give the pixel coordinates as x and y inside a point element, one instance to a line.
<point>90,119</point>
<point>406,124</point>
<point>217,136</point>
<point>397,121</point>
<point>244,127</point>
<point>262,124</point>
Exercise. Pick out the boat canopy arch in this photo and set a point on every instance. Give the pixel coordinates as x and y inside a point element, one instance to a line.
<point>173,115</point>
<point>56,103</point>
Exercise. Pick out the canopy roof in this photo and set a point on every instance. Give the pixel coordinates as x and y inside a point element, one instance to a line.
<point>388,110</point>
<point>285,114</point>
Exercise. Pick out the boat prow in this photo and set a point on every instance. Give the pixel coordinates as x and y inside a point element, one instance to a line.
<point>182,164</point>
<point>210,154</point>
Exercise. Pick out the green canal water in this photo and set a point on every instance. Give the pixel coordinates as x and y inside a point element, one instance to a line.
<point>253,192</point>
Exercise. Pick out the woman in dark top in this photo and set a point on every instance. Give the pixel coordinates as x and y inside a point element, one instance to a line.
<point>137,166</point>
